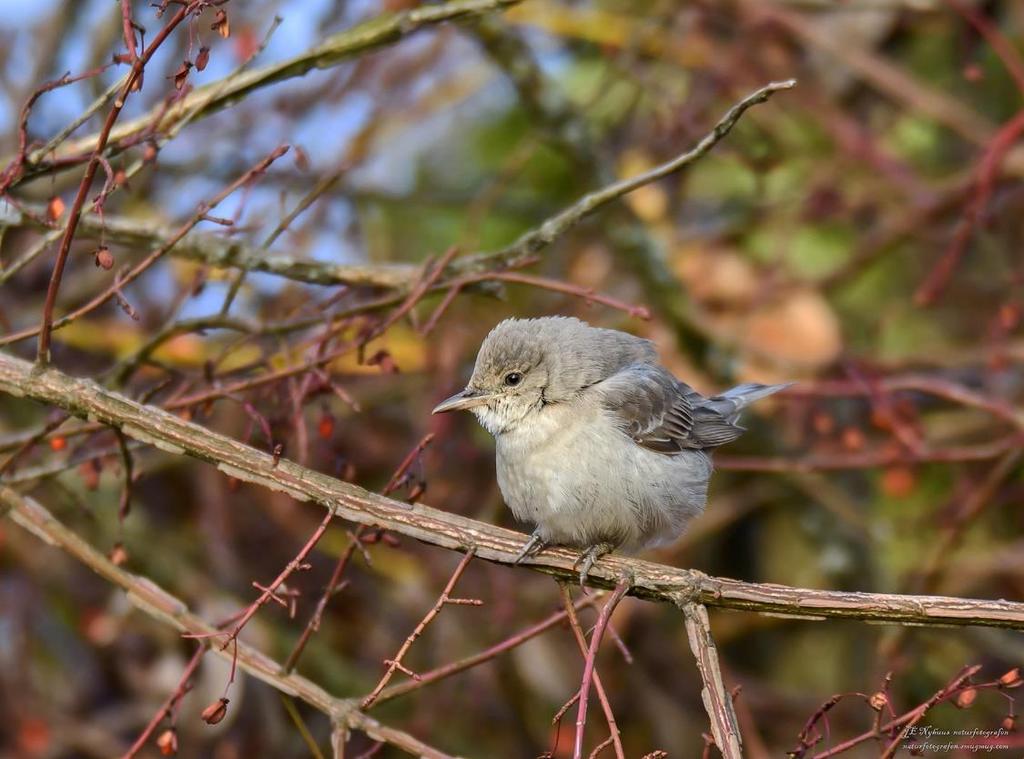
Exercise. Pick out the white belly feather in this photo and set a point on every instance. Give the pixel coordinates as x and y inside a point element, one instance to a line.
<point>567,463</point>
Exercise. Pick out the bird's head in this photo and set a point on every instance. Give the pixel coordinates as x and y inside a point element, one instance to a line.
<point>525,364</point>
<point>510,380</point>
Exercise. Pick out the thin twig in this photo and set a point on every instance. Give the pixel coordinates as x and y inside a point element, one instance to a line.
<point>513,641</point>
<point>581,641</point>
<point>591,662</point>
<point>162,606</point>
<point>43,351</point>
<point>557,225</point>
<point>168,706</point>
<point>395,663</point>
<point>49,324</point>
<point>334,584</point>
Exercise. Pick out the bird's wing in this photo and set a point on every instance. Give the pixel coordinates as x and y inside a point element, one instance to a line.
<point>652,407</point>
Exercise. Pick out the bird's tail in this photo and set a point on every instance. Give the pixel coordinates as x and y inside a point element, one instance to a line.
<point>730,403</point>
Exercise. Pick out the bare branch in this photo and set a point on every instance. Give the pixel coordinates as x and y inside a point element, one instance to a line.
<point>557,225</point>
<point>717,701</point>
<point>589,668</point>
<point>657,582</point>
<point>156,602</point>
<point>344,45</point>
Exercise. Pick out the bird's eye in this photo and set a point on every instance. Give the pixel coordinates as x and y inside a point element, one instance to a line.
<point>513,378</point>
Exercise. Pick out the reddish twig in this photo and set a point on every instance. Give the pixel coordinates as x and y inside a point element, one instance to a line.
<point>544,283</point>
<point>52,424</point>
<point>127,462</point>
<point>640,312</point>
<point>810,736</point>
<point>114,289</point>
<point>12,171</point>
<point>867,459</point>
<point>992,159</point>
<point>335,584</point>
<point>905,722</point>
<point>322,358</point>
<point>600,747</point>
<point>443,600</point>
<point>917,714</point>
<point>513,641</point>
<point>588,669</point>
<point>951,535</point>
<point>940,387</point>
<point>128,29</point>
<point>1002,47</point>
<point>43,352</point>
<point>989,166</point>
<point>168,708</point>
<point>581,641</point>
<point>403,468</point>
<point>269,592</point>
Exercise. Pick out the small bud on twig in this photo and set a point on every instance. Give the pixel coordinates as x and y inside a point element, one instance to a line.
<point>878,701</point>
<point>965,698</point>
<point>55,208</point>
<point>216,711</point>
<point>168,742</point>
<point>103,258</point>
<point>118,554</point>
<point>1011,679</point>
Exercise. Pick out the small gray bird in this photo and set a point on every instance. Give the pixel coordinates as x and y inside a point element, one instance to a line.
<point>597,444</point>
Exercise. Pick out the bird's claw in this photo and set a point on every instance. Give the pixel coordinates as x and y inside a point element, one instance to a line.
<point>533,546</point>
<point>589,557</point>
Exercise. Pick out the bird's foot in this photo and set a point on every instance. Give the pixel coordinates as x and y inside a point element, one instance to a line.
<point>589,557</point>
<point>533,546</point>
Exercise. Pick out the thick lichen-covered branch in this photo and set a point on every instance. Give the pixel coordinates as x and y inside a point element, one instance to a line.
<point>655,582</point>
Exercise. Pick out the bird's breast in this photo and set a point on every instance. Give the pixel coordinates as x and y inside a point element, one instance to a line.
<point>581,480</point>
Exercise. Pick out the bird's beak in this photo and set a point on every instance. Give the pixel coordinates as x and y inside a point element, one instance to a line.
<point>467,399</point>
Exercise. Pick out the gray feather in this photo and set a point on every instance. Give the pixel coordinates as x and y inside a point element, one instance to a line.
<point>574,354</point>
<point>730,403</point>
<point>661,413</point>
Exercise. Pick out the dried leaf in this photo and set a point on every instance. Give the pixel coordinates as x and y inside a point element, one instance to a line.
<point>800,329</point>
<point>181,75</point>
<point>220,24</point>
